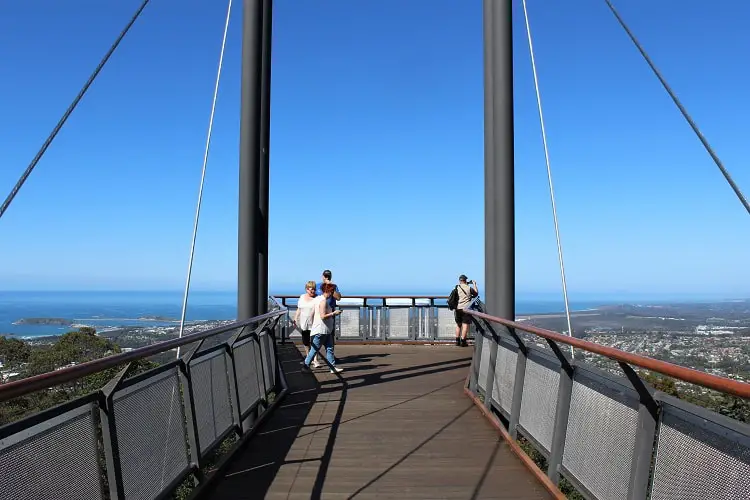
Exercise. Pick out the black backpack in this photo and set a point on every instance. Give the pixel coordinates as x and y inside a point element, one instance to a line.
<point>453,298</point>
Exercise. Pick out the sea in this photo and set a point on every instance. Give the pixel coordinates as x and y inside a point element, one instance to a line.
<point>109,310</point>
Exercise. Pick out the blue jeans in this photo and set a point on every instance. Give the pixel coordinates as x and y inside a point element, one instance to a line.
<point>325,340</point>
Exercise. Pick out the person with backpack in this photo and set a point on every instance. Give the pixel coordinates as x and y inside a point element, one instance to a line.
<point>459,299</point>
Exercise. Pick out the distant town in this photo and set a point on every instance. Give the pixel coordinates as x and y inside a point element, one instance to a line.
<point>712,337</point>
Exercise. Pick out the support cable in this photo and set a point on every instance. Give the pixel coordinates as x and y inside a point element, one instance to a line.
<point>549,174</point>
<point>203,175</point>
<point>195,228</point>
<point>682,109</point>
<point>69,111</point>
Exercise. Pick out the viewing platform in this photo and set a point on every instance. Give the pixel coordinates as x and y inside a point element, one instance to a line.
<point>236,417</point>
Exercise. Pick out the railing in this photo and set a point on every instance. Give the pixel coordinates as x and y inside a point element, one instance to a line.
<point>140,437</point>
<point>391,318</point>
<point>612,437</point>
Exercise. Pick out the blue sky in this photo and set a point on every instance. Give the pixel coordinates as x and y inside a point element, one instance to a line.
<point>377,114</point>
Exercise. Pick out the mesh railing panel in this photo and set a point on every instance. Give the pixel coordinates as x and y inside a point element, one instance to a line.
<point>505,377</point>
<point>55,460</point>
<point>376,323</point>
<point>150,426</point>
<point>291,333</point>
<point>267,360</point>
<point>272,360</point>
<point>398,323</point>
<point>446,324</point>
<point>539,402</point>
<point>348,324</point>
<point>213,410</point>
<point>247,369</point>
<point>700,462</point>
<point>484,362</point>
<point>600,439</point>
<point>422,323</point>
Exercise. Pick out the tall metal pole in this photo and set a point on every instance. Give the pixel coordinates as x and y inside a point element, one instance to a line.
<point>499,161</point>
<point>490,273</point>
<point>265,135</point>
<point>248,230</point>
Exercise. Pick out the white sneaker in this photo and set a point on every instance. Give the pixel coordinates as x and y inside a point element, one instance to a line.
<point>315,364</point>
<point>336,369</point>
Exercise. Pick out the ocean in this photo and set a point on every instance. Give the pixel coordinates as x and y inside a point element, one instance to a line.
<point>110,310</point>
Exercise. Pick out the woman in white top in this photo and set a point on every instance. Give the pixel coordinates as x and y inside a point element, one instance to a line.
<point>322,328</point>
<point>303,318</point>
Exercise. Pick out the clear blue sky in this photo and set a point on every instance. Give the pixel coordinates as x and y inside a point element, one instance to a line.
<point>377,114</point>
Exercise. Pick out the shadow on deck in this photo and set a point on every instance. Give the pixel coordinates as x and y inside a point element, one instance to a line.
<point>394,424</point>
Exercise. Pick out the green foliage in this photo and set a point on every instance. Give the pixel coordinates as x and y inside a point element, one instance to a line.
<point>660,383</point>
<point>564,486</point>
<point>13,353</point>
<point>73,348</point>
<point>724,404</point>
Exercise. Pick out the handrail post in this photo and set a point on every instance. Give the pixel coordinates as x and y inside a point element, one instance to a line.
<point>109,436</point>
<point>645,436</point>
<point>515,407</point>
<point>489,384</point>
<point>476,358</point>
<point>562,412</point>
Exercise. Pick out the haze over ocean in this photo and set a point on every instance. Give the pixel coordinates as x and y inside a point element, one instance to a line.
<point>110,309</point>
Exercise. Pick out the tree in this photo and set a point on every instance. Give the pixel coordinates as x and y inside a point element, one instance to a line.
<point>13,353</point>
<point>72,348</point>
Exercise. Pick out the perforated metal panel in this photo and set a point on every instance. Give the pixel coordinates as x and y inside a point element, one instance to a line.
<point>55,460</point>
<point>699,458</point>
<point>267,359</point>
<point>247,369</point>
<point>539,402</point>
<point>422,321</point>
<point>375,322</point>
<point>484,363</point>
<point>446,324</point>
<point>291,333</point>
<point>505,377</point>
<point>150,428</point>
<point>348,324</point>
<point>398,323</point>
<point>600,438</point>
<point>211,392</point>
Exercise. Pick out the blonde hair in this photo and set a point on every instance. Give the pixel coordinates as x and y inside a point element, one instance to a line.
<point>310,284</point>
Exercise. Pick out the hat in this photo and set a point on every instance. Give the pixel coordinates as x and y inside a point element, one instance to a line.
<point>462,278</point>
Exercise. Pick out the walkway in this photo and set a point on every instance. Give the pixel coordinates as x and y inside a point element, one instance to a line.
<point>396,424</point>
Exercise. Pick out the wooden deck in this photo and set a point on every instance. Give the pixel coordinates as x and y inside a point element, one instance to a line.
<point>394,424</point>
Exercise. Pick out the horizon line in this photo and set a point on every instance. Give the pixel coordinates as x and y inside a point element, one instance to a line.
<point>556,296</point>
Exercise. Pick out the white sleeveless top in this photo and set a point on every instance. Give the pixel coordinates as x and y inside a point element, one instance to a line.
<point>306,306</point>
<point>321,326</point>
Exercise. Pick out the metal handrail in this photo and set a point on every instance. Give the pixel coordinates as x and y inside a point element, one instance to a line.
<point>28,385</point>
<point>389,296</point>
<point>723,384</point>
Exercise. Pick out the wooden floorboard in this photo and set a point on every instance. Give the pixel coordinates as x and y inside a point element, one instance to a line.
<point>394,424</point>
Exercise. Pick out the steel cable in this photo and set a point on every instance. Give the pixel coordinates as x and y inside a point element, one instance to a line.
<point>682,109</point>
<point>66,115</point>
<point>549,174</point>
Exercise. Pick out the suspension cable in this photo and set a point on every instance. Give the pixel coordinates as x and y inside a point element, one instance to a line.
<point>682,109</point>
<point>81,93</point>
<point>549,173</point>
<point>203,175</point>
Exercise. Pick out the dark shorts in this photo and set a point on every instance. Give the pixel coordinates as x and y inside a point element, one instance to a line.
<point>305,338</point>
<point>462,318</point>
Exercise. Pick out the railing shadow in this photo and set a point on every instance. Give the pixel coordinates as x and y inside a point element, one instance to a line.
<point>254,470</point>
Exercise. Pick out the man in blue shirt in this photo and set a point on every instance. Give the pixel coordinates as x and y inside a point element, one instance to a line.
<point>327,277</point>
